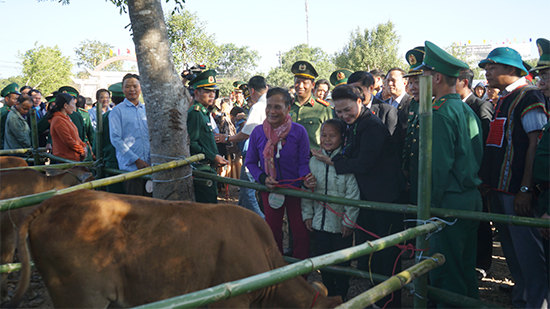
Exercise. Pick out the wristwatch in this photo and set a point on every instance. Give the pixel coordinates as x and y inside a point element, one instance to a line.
<point>524,189</point>
<point>227,138</point>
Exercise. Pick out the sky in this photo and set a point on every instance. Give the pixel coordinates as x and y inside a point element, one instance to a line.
<point>273,26</point>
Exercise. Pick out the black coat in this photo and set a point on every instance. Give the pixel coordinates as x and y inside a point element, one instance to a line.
<point>386,113</point>
<point>401,130</point>
<point>369,154</point>
<point>484,111</point>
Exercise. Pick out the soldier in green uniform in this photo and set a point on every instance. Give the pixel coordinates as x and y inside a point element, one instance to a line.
<point>306,109</point>
<point>109,151</point>
<point>88,128</point>
<point>414,57</point>
<point>457,154</point>
<point>10,93</point>
<point>541,164</point>
<point>201,136</point>
<point>239,88</point>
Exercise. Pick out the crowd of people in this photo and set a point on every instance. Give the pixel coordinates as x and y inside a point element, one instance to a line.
<point>358,140</point>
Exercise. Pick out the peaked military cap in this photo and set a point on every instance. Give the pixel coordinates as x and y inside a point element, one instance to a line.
<point>340,77</point>
<point>9,89</point>
<point>238,85</point>
<point>304,69</point>
<point>543,46</point>
<point>206,80</point>
<point>440,61</point>
<point>507,56</point>
<point>414,57</point>
<point>116,90</point>
<point>68,89</point>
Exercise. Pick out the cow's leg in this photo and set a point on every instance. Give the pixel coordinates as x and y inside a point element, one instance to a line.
<point>7,249</point>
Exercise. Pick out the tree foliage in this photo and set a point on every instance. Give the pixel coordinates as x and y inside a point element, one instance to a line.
<point>371,49</point>
<point>282,76</point>
<point>459,52</point>
<point>190,43</point>
<point>19,80</point>
<point>45,68</point>
<point>90,53</point>
<point>237,62</point>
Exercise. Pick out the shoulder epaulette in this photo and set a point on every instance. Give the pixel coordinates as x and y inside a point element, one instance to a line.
<point>439,103</point>
<point>197,108</point>
<point>325,103</point>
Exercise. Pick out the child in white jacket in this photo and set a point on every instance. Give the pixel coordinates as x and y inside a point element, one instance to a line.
<point>332,232</point>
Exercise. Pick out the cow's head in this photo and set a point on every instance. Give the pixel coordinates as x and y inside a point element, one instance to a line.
<point>81,173</point>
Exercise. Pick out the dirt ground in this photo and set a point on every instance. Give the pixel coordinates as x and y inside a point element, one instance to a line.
<point>489,287</point>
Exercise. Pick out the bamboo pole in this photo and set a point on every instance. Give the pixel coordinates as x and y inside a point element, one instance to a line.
<point>34,136</point>
<point>9,152</point>
<point>246,285</point>
<point>196,180</point>
<point>401,208</point>
<point>424,180</point>
<point>58,159</point>
<point>11,267</point>
<point>99,139</point>
<point>436,294</point>
<point>393,283</point>
<point>41,168</point>
<point>33,199</point>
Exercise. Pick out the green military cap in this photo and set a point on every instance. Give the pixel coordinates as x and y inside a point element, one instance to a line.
<point>543,46</point>
<point>239,85</point>
<point>340,77</point>
<point>70,90</point>
<point>507,56</point>
<point>116,90</point>
<point>206,80</point>
<point>438,60</point>
<point>304,69</point>
<point>51,97</point>
<point>9,89</point>
<point>414,57</point>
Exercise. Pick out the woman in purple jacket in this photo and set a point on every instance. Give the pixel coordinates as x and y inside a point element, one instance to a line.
<point>278,152</point>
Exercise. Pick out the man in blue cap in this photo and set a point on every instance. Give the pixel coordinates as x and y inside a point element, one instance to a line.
<point>457,154</point>
<point>520,114</point>
<point>201,135</point>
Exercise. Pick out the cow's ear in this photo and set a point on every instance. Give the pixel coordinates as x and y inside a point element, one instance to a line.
<point>83,177</point>
<point>319,287</point>
<point>53,171</point>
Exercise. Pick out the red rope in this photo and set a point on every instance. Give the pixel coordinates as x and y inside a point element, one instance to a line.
<point>314,299</point>
<point>347,220</point>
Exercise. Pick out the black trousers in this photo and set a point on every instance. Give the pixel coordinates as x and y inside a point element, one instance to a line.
<point>326,242</point>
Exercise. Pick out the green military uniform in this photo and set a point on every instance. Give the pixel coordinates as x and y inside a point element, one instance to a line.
<point>88,130</point>
<point>315,111</point>
<point>457,154</point>
<point>9,89</point>
<point>201,137</point>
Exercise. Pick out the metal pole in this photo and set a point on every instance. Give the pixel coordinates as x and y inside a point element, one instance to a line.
<point>34,136</point>
<point>99,140</point>
<point>424,181</point>
<point>393,283</point>
<point>401,208</point>
<point>28,200</point>
<point>246,285</point>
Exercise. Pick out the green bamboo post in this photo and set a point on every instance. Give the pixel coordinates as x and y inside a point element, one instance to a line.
<point>394,283</point>
<point>99,140</point>
<point>196,180</point>
<point>34,136</point>
<point>41,168</point>
<point>246,285</point>
<point>11,267</point>
<point>9,152</point>
<point>401,208</point>
<point>33,199</point>
<point>436,294</point>
<point>424,181</point>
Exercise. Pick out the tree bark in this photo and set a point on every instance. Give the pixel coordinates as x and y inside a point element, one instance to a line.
<point>166,99</point>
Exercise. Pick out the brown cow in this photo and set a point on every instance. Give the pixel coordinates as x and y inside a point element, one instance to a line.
<point>95,249</point>
<point>7,162</point>
<point>24,182</point>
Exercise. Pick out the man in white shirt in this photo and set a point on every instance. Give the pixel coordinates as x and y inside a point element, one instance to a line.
<point>258,90</point>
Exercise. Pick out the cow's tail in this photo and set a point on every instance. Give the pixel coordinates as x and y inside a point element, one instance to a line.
<point>23,250</point>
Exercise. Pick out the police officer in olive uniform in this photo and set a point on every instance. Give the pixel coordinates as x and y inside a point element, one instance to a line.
<point>457,154</point>
<point>10,93</point>
<point>306,109</point>
<point>201,136</point>
<point>414,57</point>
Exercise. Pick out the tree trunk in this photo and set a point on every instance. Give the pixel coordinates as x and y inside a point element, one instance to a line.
<point>166,99</point>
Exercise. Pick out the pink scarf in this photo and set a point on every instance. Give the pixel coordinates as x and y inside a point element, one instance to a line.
<point>274,136</point>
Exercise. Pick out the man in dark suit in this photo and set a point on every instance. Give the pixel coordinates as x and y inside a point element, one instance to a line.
<point>483,109</point>
<point>385,112</point>
<point>401,100</point>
